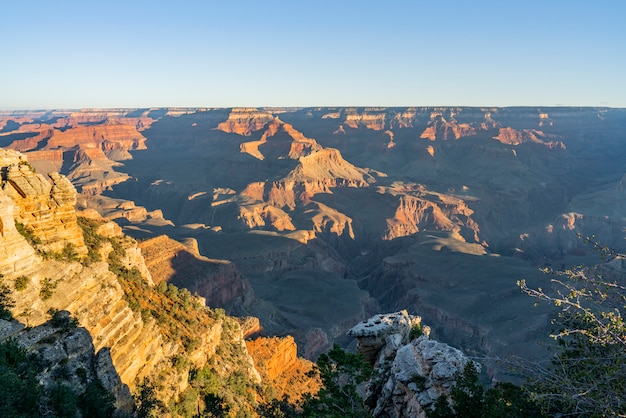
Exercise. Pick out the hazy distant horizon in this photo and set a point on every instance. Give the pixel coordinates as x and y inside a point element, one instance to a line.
<point>203,108</point>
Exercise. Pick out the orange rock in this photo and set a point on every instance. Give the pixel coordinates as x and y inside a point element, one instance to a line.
<point>277,359</point>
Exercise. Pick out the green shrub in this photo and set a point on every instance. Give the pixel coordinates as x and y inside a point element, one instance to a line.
<point>67,254</point>
<point>63,401</point>
<point>64,320</point>
<point>20,392</point>
<point>468,399</point>
<point>47,288</point>
<point>340,372</point>
<point>6,302</point>
<point>93,240</point>
<point>21,283</point>
<point>28,233</point>
<point>416,331</point>
<point>96,402</point>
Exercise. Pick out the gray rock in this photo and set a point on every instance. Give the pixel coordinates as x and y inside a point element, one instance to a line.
<point>415,373</point>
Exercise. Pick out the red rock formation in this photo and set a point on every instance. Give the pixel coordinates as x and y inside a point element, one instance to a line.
<point>126,136</point>
<point>511,136</point>
<point>280,140</point>
<point>441,128</point>
<point>277,359</point>
<point>260,215</point>
<point>441,213</point>
<point>245,121</point>
<point>218,281</point>
<point>371,118</point>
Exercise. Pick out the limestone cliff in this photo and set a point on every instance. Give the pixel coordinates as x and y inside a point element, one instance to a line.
<point>280,140</point>
<point>45,207</point>
<point>61,354</point>
<point>156,335</point>
<point>370,118</point>
<point>441,127</point>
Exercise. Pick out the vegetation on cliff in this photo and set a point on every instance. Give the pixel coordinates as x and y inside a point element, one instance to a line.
<point>586,376</point>
<point>222,383</point>
<point>36,383</point>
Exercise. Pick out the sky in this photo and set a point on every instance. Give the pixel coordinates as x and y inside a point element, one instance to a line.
<point>60,54</point>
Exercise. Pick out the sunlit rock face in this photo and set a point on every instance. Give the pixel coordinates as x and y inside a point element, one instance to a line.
<point>245,121</point>
<point>277,359</point>
<point>44,206</point>
<point>217,281</point>
<point>112,339</point>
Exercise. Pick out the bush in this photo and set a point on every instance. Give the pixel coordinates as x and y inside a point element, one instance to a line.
<point>64,320</point>
<point>148,405</point>
<point>340,372</point>
<point>28,233</point>
<point>416,331</point>
<point>47,288</point>
<point>63,401</point>
<point>469,399</point>
<point>6,302</point>
<point>587,374</point>
<point>92,239</point>
<point>67,254</point>
<point>21,283</point>
<point>20,392</point>
<point>96,402</point>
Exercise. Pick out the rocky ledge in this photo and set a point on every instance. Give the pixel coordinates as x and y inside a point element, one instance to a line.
<point>414,370</point>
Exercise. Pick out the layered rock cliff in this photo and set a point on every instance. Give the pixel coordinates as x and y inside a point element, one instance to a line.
<point>153,335</point>
<point>44,207</point>
<point>217,281</point>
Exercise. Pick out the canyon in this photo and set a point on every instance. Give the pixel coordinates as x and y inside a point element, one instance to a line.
<point>313,219</point>
<point>87,309</point>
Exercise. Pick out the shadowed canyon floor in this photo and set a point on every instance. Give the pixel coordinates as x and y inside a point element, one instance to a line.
<point>312,219</point>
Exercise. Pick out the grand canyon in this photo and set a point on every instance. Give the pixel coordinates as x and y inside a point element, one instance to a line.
<point>289,226</point>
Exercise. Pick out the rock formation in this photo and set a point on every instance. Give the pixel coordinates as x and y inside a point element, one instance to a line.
<point>245,121</point>
<point>68,357</point>
<point>217,281</point>
<point>44,207</point>
<point>277,359</point>
<point>414,371</point>
<point>136,329</point>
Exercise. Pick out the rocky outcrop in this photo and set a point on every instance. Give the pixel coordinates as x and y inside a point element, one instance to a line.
<point>245,121</point>
<point>44,207</point>
<point>511,136</point>
<point>414,373</point>
<point>442,128</point>
<point>370,118</point>
<point>67,356</point>
<point>115,303</point>
<point>371,335</point>
<point>16,255</point>
<point>280,140</point>
<point>421,210</point>
<point>218,281</point>
<point>265,216</point>
<point>277,359</point>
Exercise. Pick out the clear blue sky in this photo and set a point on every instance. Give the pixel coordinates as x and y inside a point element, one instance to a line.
<point>136,53</point>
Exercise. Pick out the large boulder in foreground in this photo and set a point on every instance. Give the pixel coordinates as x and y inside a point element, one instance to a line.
<point>414,370</point>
